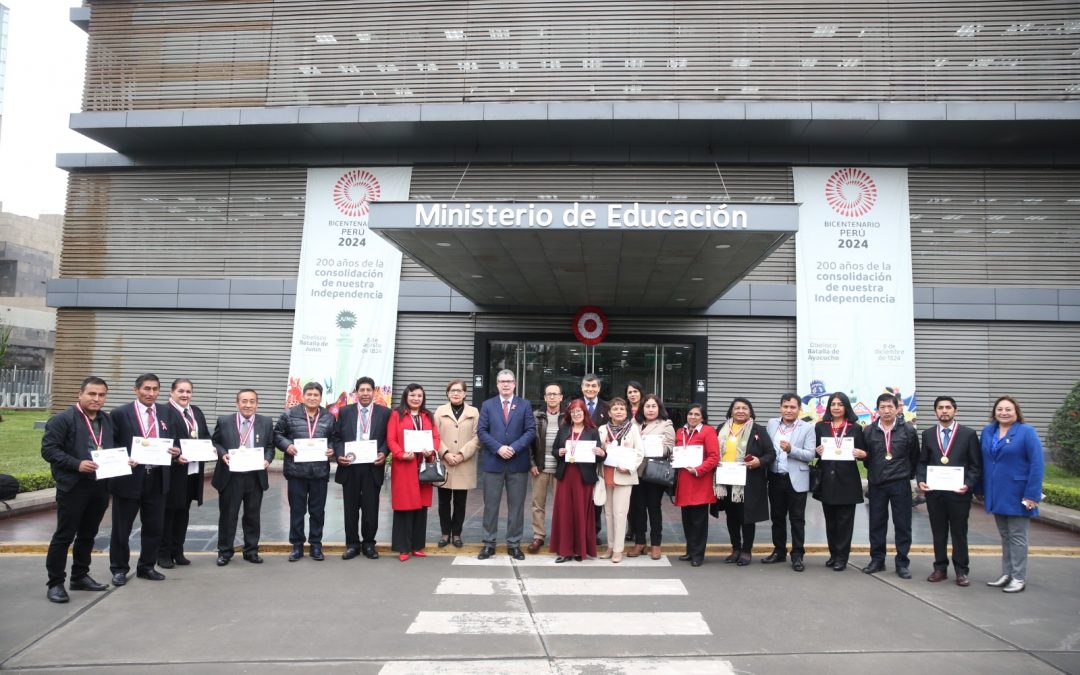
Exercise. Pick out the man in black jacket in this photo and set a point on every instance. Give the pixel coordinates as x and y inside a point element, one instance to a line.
<point>185,478</point>
<point>893,453</point>
<point>81,500</point>
<point>361,482</point>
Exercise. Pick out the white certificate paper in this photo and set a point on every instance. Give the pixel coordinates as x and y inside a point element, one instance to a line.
<point>844,452</point>
<point>151,451</point>
<point>310,450</point>
<point>112,462</point>
<point>418,441</point>
<point>949,478</point>
<point>362,452</point>
<point>731,473</point>
<point>621,457</point>
<point>246,459</point>
<point>687,456</point>
<point>581,451</point>
<point>197,450</point>
<point>653,445</point>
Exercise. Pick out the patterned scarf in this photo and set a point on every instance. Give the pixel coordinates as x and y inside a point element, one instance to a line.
<point>744,437</point>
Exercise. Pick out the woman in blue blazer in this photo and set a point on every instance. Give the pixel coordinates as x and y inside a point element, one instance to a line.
<point>1011,486</point>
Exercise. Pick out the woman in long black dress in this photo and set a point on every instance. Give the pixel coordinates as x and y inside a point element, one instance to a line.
<point>841,484</point>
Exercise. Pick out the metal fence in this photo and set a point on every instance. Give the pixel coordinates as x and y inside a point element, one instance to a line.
<point>24,388</point>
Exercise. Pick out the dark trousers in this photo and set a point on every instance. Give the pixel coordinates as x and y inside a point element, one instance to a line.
<point>360,496</point>
<point>741,533</point>
<point>408,530</point>
<point>948,513</point>
<point>785,503</point>
<point>839,525</point>
<point>174,531</point>
<point>695,523</point>
<point>78,516</point>
<point>897,496</point>
<point>306,495</point>
<point>452,511</point>
<point>243,489</point>
<point>646,514</point>
<point>150,507</point>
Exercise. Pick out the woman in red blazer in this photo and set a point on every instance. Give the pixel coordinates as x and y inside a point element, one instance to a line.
<point>409,498</point>
<point>694,487</point>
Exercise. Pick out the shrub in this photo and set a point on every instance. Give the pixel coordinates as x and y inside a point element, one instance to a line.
<point>35,480</point>
<point>1065,433</point>
<point>1062,495</point>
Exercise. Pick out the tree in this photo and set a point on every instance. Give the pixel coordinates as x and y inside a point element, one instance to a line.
<point>1065,433</point>
<point>5,340</point>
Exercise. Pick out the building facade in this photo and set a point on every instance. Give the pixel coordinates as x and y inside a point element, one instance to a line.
<point>181,248</point>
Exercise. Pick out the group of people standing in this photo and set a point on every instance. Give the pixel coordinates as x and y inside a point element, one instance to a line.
<point>563,449</point>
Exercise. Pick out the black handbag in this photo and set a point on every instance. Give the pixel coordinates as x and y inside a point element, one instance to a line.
<point>659,472</point>
<point>815,480</point>
<point>433,472</point>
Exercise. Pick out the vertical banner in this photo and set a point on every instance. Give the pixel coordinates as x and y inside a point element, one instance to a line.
<point>855,312</point>
<point>347,286</point>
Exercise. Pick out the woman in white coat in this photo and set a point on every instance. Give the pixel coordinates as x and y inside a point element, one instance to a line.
<point>619,431</point>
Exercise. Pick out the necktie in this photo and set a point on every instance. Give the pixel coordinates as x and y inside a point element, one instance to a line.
<point>247,434</point>
<point>592,408</point>
<point>945,434</point>
<point>151,423</point>
<point>193,429</point>
<point>506,410</point>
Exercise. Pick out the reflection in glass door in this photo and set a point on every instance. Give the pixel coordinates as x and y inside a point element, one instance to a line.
<point>667,369</point>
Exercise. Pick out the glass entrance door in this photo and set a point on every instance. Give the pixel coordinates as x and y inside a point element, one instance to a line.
<point>664,368</point>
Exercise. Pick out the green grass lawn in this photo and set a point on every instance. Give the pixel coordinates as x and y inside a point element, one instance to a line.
<point>1055,475</point>
<point>20,442</point>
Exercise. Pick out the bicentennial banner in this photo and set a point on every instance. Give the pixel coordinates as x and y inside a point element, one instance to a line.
<point>347,286</point>
<point>855,311</point>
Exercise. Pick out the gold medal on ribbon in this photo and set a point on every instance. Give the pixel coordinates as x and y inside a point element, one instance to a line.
<point>888,456</point>
<point>944,460</point>
<point>99,448</point>
<point>146,442</point>
<point>837,451</point>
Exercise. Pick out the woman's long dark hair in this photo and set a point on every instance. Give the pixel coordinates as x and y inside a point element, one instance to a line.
<point>403,405</point>
<point>849,412</point>
<point>660,415</point>
<point>740,399</point>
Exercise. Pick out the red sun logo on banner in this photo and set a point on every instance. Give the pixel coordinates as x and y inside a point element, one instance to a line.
<point>590,325</point>
<point>851,192</point>
<point>354,192</point>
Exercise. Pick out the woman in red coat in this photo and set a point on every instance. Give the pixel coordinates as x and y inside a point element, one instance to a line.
<point>409,498</point>
<point>694,487</point>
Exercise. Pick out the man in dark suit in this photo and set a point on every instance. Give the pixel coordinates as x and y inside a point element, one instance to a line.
<point>361,483</point>
<point>81,500</point>
<point>949,444</point>
<point>598,411</point>
<point>143,492</point>
<point>185,479</point>
<point>506,430</point>
<point>248,430</point>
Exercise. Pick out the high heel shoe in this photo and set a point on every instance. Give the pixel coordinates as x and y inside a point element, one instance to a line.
<point>403,557</point>
<point>419,554</point>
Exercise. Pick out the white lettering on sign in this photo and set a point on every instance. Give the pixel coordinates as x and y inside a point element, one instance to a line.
<point>575,215</point>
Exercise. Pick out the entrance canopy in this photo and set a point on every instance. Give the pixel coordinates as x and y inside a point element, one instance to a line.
<point>562,255</point>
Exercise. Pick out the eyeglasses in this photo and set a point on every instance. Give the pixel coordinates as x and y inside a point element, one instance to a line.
<point>457,391</point>
<point>553,393</point>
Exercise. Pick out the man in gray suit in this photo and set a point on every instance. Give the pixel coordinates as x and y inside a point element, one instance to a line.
<point>789,480</point>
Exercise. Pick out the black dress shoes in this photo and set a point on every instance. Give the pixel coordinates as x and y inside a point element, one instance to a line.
<point>830,562</point>
<point>223,560</point>
<point>119,579</point>
<point>253,558</point>
<point>797,564</point>
<point>577,558</point>
<point>166,563</point>
<point>150,575</point>
<point>903,572</point>
<point>486,552</point>
<point>350,553</point>
<point>744,559</point>
<point>685,557</point>
<point>774,557</point>
<point>873,567</point>
<point>316,552</point>
<point>296,553</point>
<point>370,553</point>
<point>696,563</point>
<point>57,594</point>
<point>87,583</point>
<point>563,558</point>
<point>179,559</point>
<point>839,566</point>
<point>515,553</point>
<point>733,557</point>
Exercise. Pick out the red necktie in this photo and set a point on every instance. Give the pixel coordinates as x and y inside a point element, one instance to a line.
<point>151,423</point>
<point>506,410</point>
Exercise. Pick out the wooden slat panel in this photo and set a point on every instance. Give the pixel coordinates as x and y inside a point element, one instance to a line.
<point>754,358</point>
<point>152,54</point>
<point>431,350</point>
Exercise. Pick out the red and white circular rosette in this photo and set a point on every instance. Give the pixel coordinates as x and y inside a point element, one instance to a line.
<point>590,325</point>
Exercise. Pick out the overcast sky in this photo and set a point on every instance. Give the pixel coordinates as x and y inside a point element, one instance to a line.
<point>43,85</point>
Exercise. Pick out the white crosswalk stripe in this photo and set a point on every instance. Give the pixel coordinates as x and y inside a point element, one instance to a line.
<point>560,623</point>
<point>548,561</point>
<point>628,666</point>
<point>572,586</point>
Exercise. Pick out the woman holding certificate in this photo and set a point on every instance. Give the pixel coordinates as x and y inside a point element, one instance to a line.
<point>742,479</point>
<point>573,521</point>
<point>840,442</point>
<point>634,393</point>
<point>412,436</point>
<point>657,440</point>
<point>623,455</point>
<point>457,433</point>
<point>696,453</point>
<point>1012,459</point>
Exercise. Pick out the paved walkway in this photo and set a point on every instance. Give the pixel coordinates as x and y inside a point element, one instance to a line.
<point>27,532</point>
